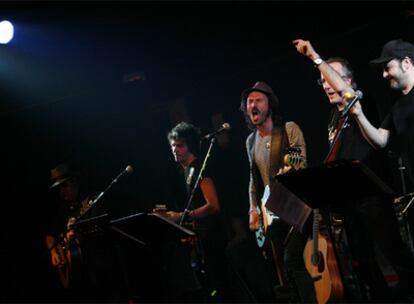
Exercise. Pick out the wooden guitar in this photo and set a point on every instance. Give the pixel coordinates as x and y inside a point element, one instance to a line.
<point>69,251</point>
<point>320,261</point>
<point>69,248</point>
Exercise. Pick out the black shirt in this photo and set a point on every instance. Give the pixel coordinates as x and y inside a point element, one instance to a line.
<point>400,122</point>
<point>353,145</point>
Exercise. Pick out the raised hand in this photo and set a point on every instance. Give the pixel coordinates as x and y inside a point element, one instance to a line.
<point>305,48</point>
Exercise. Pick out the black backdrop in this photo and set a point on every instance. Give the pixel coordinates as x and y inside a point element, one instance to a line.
<point>63,93</point>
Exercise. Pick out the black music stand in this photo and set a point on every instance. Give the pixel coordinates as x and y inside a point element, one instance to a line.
<point>143,228</point>
<point>335,182</point>
<point>149,228</point>
<point>91,227</point>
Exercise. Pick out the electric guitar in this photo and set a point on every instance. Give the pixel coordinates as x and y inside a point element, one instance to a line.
<point>294,160</point>
<point>320,261</point>
<point>266,218</point>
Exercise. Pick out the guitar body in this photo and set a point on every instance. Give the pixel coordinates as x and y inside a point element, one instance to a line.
<point>266,218</point>
<point>325,274</point>
<point>63,270</point>
<point>70,254</point>
<point>320,262</point>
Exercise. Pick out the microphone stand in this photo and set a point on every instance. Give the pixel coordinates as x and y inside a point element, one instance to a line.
<point>200,174</point>
<point>198,266</point>
<point>403,215</point>
<point>94,202</point>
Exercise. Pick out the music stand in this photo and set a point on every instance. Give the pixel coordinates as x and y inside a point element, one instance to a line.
<point>91,227</point>
<point>335,182</point>
<point>149,228</point>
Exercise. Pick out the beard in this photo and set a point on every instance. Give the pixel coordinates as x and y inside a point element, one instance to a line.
<point>394,84</point>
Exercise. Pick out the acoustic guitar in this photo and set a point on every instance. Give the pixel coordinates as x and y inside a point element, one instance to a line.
<point>70,254</point>
<point>320,261</point>
<point>69,247</point>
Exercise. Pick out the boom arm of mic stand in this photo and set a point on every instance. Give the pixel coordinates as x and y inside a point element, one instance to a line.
<point>200,174</point>
<point>98,198</point>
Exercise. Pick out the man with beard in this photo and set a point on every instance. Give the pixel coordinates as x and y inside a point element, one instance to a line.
<point>368,219</point>
<point>397,129</point>
<point>266,147</point>
<point>88,266</point>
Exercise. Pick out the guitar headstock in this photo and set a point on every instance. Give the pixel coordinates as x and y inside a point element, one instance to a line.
<point>294,159</point>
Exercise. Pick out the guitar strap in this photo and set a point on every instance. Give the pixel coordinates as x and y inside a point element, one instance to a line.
<point>277,151</point>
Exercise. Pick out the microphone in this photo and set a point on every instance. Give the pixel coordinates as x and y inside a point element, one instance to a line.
<point>129,169</point>
<point>190,176</point>
<point>224,127</point>
<point>352,100</point>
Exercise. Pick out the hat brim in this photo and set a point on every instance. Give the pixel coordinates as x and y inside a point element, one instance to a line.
<point>246,93</point>
<point>59,181</point>
<point>380,60</point>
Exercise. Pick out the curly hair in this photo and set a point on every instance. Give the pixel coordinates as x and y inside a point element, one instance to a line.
<point>189,133</point>
<point>274,111</point>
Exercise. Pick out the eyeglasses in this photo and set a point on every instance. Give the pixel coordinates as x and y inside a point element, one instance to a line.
<point>321,81</point>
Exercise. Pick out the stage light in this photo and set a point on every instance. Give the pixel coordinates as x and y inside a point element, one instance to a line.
<point>6,32</point>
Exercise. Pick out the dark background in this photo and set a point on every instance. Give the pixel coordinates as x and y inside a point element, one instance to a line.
<point>64,92</point>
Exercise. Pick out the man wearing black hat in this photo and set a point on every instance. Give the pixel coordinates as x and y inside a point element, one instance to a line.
<point>88,269</point>
<point>397,129</point>
<point>369,219</point>
<point>266,147</point>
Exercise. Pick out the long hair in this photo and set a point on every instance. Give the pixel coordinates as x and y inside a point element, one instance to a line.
<point>189,133</point>
<point>274,111</point>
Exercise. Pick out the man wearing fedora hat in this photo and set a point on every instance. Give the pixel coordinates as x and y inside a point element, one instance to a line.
<point>87,268</point>
<point>369,219</point>
<point>266,146</point>
<point>64,180</point>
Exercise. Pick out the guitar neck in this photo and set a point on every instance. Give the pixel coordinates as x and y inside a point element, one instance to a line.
<point>315,231</point>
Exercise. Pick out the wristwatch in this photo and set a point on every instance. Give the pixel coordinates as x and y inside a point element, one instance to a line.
<point>317,61</point>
